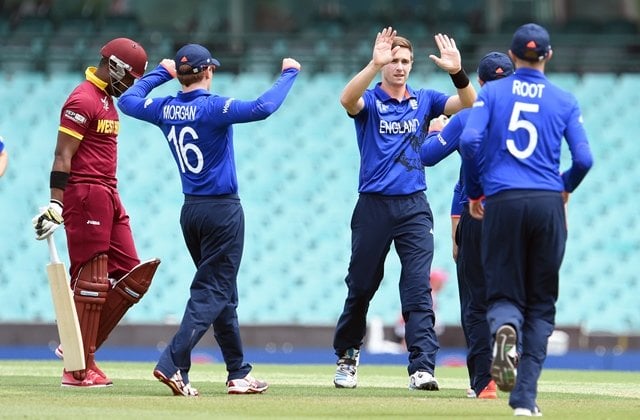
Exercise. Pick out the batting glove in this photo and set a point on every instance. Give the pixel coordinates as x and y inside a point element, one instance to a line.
<point>48,220</point>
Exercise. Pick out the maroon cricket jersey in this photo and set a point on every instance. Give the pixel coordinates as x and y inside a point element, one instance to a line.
<point>90,116</point>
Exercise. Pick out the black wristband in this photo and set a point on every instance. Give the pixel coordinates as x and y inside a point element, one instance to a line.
<point>460,79</point>
<point>58,180</point>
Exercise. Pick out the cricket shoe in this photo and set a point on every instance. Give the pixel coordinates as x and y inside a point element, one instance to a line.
<point>423,380</point>
<point>246,385</point>
<point>91,363</point>
<point>489,392</point>
<point>176,384</point>
<point>525,412</point>
<point>91,380</point>
<point>471,393</point>
<point>347,370</point>
<point>59,353</point>
<point>505,358</point>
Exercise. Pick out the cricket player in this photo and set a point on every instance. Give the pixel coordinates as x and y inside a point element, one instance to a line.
<point>440,143</point>
<point>85,197</point>
<point>391,122</point>
<point>516,130</point>
<point>198,130</point>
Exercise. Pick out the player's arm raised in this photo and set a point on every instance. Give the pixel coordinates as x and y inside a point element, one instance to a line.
<point>351,98</point>
<point>451,62</point>
<point>133,101</point>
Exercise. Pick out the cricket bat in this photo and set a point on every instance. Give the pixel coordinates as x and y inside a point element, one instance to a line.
<point>65,308</point>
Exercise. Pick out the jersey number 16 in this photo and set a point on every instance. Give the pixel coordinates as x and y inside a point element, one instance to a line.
<point>182,150</point>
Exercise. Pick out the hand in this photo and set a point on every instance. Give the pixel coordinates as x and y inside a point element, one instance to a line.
<point>48,220</point>
<point>476,209</point>
<point>382,51</point>
<point>449,59</point>
<point>565,199</point>
<point>169,65</point>
<point>290,63</point>
<point>437,124</point>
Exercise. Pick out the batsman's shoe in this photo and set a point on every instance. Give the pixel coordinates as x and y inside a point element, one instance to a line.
<point>176,384</point>
<point>91,380</point>
<point>471,393</point>
<point>423,380</point>
<point>505,358</point>
<point>525,412</point>
<point>489,392</point>
<point>91,364</point>
<point>246,385</point>
<point>347,370</point>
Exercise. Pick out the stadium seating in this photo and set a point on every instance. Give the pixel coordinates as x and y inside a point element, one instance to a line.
<point>298,178</point>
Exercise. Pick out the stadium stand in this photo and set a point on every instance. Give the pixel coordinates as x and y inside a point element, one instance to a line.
<point>298,182</point>
<point>298,176</point>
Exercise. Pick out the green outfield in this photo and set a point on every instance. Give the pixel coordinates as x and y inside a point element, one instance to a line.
<point>30,389</point>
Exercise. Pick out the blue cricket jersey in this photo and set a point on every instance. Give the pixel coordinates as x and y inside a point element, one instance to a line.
<point>458,199</point>
<point>390,134</point>
<point>198,127</point>
<point>517,125</point>
<point>439,145</point>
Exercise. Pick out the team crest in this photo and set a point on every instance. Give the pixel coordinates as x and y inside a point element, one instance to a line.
<point>105,103</point>
<point>382,108</point>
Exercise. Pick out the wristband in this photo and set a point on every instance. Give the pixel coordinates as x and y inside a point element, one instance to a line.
<point>460,79</point>
<point>57,202</point>
<point>58,180</point>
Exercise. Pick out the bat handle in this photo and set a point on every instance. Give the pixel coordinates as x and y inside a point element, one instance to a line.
<point>53,252</point>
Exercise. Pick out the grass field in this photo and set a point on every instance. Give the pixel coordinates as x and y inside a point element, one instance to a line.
<point>31,389</point>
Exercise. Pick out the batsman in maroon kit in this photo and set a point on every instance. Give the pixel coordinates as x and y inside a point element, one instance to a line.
<point>107,277</point>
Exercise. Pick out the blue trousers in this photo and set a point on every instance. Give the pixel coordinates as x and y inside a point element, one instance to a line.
<point>213,229</point>
<point>378,221</point>
<point>473,301</point>
<point>523,242</point>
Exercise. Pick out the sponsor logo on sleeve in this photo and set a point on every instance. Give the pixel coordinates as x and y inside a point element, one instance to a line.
<point>75,117</point>
<point>227,104</point>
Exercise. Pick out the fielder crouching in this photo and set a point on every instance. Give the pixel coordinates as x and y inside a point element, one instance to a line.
<point>85,197</point>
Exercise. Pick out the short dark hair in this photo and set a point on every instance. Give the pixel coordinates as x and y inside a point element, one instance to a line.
<point>188,78</point>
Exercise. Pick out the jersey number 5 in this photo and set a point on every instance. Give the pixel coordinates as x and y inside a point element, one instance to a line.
<point>515,123</point>
<point>182,150</point>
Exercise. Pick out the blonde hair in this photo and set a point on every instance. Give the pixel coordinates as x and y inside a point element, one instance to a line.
<point>400,41</point>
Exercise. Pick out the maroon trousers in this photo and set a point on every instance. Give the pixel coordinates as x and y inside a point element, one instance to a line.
<point>96,222</point>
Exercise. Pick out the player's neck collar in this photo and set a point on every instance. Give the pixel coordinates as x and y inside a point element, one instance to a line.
<point>90,74</point>
<point>385,95</point>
